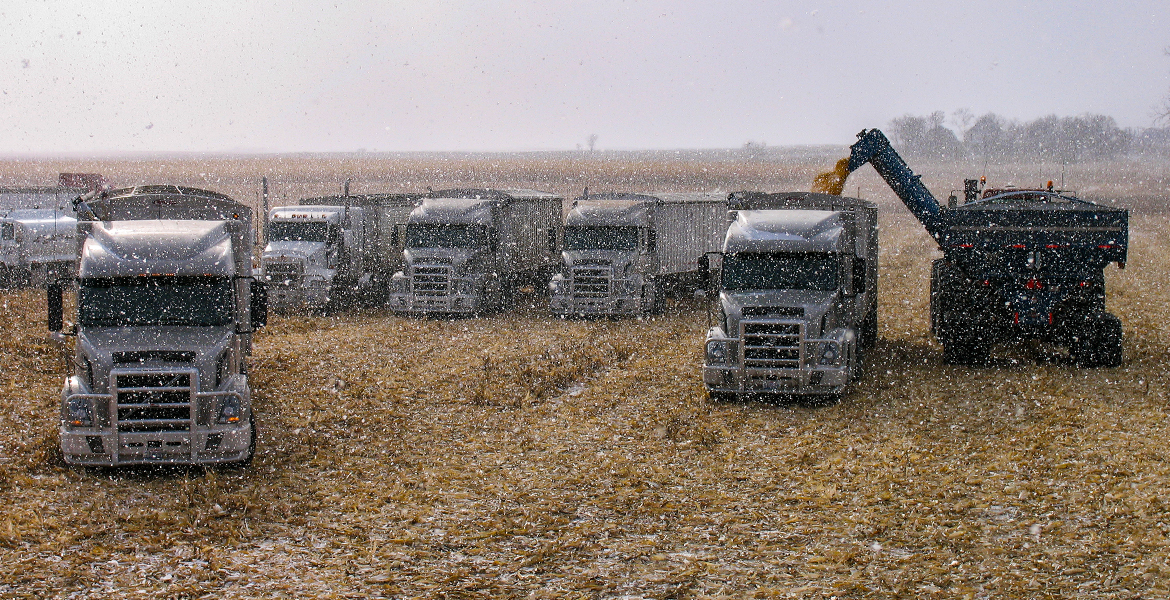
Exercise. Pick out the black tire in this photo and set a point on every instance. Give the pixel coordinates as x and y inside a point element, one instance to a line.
<point>1099,343</point>
<point>869,328</point>
<point>965,352</point>
<point>716,397</point>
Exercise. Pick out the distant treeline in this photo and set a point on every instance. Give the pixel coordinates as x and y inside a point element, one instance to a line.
<point>994,138</point>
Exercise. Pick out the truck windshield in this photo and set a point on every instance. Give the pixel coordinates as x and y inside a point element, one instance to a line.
<point>154,300</point>
<point>601,238</point>
<point>445,236</point>
<point>780,271</point>
<point>298,231</point>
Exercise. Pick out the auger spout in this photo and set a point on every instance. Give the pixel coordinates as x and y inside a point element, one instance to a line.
<point>874,148</point>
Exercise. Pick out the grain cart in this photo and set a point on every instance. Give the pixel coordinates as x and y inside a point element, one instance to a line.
<point>37,229</point>
<point>797,295</point>
<point>1017,264</point>
<point>330,252</point>
<point>469,251</point>
<point>622,251</point>
<point>166,309</point>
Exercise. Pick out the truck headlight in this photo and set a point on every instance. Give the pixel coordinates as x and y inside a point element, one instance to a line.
<point>398,283</point>
<point>229,410</point>
<point>556,284</point>
<point>717,352</point>
<point>79,412</point>
<point>830,353</point>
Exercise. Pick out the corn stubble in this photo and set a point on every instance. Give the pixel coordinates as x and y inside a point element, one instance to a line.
<point>525,456</point>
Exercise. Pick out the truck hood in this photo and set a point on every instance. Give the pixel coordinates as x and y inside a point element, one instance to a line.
<point>813,304</point>
<point>458,258</point>
<point>294,250</point>
<point>618,259</point>
<point>128,347</point>
<point>201,340</point>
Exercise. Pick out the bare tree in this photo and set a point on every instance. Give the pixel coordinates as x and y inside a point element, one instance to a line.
<point>592,141</point>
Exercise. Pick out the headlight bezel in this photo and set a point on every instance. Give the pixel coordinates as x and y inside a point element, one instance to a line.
<point>718,352</point>
<point>829,353</point>
<point>230,411</point>
<point>79,412</point>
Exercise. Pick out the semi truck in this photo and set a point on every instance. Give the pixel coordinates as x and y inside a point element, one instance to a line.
<point>166,308</point>
<point>796,295</point>
<point>1017,264</point>
<point>334,251</point>
<point>37,229</point>
<point>623,251</point>
<point>468,251</point>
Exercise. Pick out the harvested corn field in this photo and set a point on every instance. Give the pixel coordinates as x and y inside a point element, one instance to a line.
<point>526,456</point>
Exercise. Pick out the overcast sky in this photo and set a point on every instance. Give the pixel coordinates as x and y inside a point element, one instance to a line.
<point>99,76</point>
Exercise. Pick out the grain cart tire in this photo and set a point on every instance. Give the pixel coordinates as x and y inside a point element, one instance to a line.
<point>964,350</point>
<point>1100,342</point>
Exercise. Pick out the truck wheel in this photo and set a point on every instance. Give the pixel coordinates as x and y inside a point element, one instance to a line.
<point>869,328</point>
<point>965,352</point>
<point>720,397</point>
<point>1100,342</point>
<point>858,370</point>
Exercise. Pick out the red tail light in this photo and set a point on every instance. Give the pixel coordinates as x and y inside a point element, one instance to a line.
<point>1033,284</point>
<point>966,246</point>
<point>1018,246</point>
<point>1053,246</point>
<point>1105,246</point>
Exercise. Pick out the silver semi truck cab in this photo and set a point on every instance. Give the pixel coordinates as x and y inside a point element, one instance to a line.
<point>36,245</point>
<point>312,253</point>
<point>468,251</point>
<point>166,309</point>
<point>335,251</point>
<point>797,295</point>
<point>622,250</point>
<point>37,229</point>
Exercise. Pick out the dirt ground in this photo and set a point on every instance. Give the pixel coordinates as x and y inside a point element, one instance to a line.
<point>526,456</point>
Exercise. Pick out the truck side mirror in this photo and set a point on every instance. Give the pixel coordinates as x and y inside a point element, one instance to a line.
<point>859,275</point>
<point>259,304</point>
<point>55,299</point>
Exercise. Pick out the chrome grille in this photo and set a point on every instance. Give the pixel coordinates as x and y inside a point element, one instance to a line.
<point>592,282</point>
<point>155,401</point>
<point>284,273</point>
<point>432,280</point>
<point>770,344</point>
